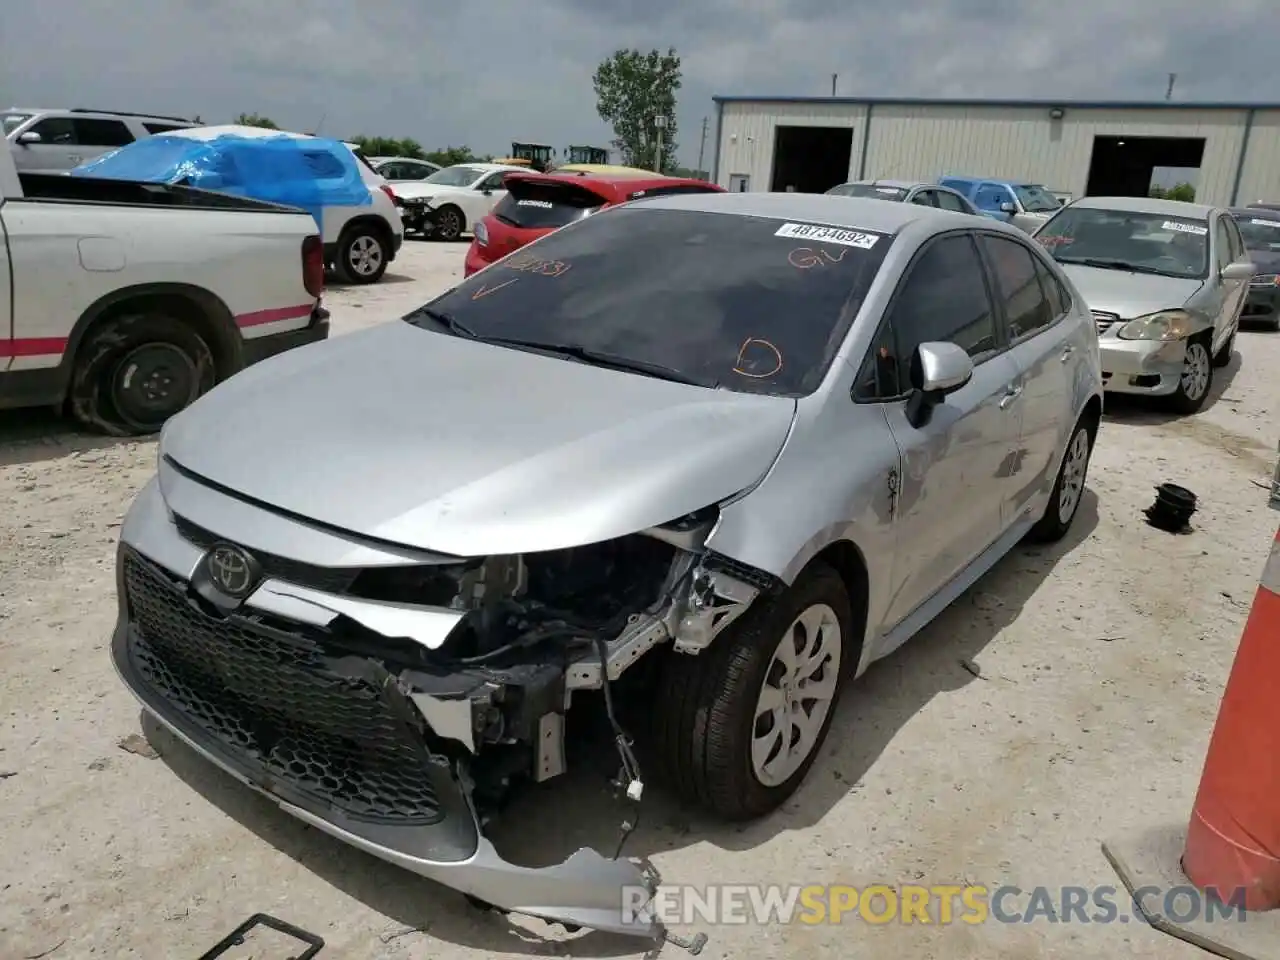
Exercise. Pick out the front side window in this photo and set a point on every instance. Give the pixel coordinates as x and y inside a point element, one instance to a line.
<point>925,198</point>
<point>102,133</point>
<point>1222,241</point>
<point>951,201</point>
<point>943,298</point>
<point>1026,306</point>
<point>750,304</point>
<point>1152,243</point>
<point>56,130</point>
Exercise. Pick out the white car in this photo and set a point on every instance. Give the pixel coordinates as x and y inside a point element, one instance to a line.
<point>449,203</point>
<point>359,242</point>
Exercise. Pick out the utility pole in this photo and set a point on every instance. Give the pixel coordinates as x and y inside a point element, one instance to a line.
<point>1168,93</point>
<point>834,78</point>
<point>659,123</point>
<point>702,145</point>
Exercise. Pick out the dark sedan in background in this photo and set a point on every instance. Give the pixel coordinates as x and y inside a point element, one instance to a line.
<point>1260,228</point>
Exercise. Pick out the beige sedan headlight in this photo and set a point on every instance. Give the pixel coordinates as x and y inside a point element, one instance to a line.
<point>1162,325</point>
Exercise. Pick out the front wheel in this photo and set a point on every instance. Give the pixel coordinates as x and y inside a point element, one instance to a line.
<point>135,372</point>
<point>737,726</point>
<point>449,224</point>
<point>1196,379</point>
<point>1068,489</point>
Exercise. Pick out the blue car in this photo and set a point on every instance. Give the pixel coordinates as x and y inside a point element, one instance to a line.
<point>1025,205</point>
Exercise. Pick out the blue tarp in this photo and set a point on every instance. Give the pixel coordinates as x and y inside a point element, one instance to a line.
<point>306,173</point>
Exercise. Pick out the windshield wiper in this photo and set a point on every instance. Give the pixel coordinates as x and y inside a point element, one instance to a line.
<point>602,358</point>
<point>1106,264</point>
<point>446,320</point>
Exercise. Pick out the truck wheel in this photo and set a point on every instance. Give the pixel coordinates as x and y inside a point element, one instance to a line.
<point>449,224</point>
<point>1196,380</point>
<point>737,726</point>
<point>136,371</point>
<point>362,254</point>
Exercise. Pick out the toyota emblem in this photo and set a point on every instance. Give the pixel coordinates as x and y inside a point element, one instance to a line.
<point>232,571</point>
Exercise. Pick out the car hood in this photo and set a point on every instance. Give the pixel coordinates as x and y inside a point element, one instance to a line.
<point>450,445</point>
<point>416,190</point>
<point>1129,294</point>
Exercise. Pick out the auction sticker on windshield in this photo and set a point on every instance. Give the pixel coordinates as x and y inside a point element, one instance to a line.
<point>812,231</point>
<point>1184,228</point>
<point>1266,223</point>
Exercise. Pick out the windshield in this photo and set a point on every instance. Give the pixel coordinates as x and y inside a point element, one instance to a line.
<point>12,121</point>
<point>1121,239</point>
<point>1036,199</point>
<point>1260,233</point>
<point>868,190</point>
<point>752,304</point>
<point>458,176</point>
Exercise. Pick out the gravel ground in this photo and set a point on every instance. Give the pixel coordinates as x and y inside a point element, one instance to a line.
<point>1067,697</point>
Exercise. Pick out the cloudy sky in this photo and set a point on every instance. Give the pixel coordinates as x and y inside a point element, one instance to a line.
<point>484,73</point>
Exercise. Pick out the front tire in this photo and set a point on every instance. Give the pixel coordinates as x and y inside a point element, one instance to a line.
<point>1196,379</point>
<point>1068,489</point>
<point>449,224</point>
<point>363,255</point>
<point>737,726</point>
<point>134,372</point>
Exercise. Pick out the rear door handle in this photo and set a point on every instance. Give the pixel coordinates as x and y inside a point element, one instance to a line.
<point>1010,395</point>
<point>1067,351</point>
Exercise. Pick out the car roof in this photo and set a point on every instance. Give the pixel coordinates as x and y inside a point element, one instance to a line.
<point>888,182</point>
<point>1152,205</point>
<point>614,186</point>
<point>237,130</point>
<point>850,213</point>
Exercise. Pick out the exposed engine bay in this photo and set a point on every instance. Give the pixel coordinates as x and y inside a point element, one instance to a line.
<point>537,629</point>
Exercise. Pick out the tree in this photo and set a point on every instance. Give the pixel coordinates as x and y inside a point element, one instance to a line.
<point>632,89</point>
<point>451,155</point>
<point>390,147</point>
<point>1184,192</point>
<point>254,120</point>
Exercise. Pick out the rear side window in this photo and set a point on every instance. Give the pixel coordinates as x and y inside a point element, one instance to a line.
<point>538,205</point>
<point>101,133</point>
<point>1026,307</point>
<point>163,127</point>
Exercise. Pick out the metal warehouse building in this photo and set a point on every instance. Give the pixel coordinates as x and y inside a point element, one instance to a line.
<point>1094,148</point>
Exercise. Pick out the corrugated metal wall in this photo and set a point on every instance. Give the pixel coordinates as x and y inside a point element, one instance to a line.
<point>748,133</point>
<point>1260,178</point>
<point>917,141</point>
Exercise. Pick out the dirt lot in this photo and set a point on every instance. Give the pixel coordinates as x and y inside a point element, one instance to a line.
<point>1099,665</point>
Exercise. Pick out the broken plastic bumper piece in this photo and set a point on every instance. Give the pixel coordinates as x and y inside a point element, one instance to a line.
<point>335,742</point>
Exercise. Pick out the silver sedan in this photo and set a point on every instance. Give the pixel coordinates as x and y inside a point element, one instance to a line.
<point>709,455</point>
<point>1166,282</point>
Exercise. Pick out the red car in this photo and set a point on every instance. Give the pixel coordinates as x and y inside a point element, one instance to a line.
<point>538,203</point>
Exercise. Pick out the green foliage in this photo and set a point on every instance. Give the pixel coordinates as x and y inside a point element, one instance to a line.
<point>254,120</point>
<point>632,88</point>
<point>390,147</point>
<point>1184,192</point>
<point>448,156</point>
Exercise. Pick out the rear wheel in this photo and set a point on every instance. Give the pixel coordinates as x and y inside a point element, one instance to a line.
<point>362,254</point>
<point>738,725</point>
<point>134,372</point>
<point>1196,379</point>
<point>1068,489</point>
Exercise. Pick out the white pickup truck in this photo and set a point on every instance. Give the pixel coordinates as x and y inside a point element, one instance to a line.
<point>122,302</point>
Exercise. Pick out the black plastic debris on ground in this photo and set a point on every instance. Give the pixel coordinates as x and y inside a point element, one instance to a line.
<point>242,933</point>
<point>1173,508</point>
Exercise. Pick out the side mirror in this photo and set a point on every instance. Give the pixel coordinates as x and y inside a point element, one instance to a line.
<point>30,137</point>
<point>937,369</point>
<point>1008,207</point>
<point>1240,270</point>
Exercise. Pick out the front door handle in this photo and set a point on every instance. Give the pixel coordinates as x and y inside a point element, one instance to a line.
<point>1067,351</point>
<point>1010,395</point>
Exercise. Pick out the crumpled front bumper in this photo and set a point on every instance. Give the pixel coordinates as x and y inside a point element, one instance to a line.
<point>587,890</point>
<point>1143,367</point>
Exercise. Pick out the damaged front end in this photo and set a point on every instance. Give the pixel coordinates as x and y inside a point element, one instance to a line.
<point>397,706</point>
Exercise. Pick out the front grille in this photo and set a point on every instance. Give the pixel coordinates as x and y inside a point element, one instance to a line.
<point>273,697</point>
<point>1104,320</point>
<point>328,579</point>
